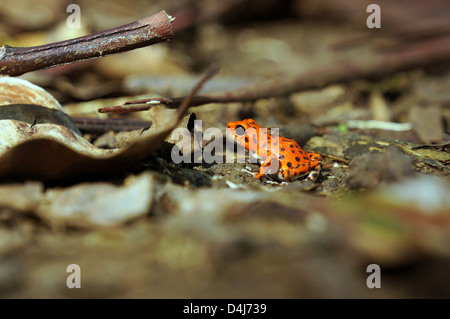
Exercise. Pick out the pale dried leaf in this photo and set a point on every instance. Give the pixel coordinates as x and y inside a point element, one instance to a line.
<point>99,204</point>
<point>21,197</point>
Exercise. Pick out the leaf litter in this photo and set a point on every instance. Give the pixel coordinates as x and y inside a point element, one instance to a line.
<point>164,230</point>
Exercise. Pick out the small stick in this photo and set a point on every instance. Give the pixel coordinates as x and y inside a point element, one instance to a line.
<point>19,60</point>
<point>100,126</point>
<point>146,104</point>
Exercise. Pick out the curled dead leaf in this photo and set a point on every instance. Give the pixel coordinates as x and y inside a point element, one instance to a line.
<point>39,141</point>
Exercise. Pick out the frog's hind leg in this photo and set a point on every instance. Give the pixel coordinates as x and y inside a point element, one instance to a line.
<point>314,174</point>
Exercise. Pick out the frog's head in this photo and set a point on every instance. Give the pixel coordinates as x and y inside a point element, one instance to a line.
<point>244,132</point>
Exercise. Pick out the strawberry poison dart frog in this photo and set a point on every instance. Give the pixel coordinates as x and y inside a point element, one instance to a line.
<point>279,157</point>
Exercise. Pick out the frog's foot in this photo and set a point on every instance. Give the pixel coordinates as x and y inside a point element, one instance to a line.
<point>268,181</point>
<point>314,174</point>
<point>248,170</point>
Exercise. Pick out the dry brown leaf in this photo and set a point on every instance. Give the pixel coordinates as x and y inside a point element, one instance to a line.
<point>39,141</point>
<point>29,112</point>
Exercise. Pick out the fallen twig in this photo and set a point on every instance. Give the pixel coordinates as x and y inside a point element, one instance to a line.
<point>19,60</point>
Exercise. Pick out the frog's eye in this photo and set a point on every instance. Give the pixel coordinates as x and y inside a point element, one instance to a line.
<point>240,130</point>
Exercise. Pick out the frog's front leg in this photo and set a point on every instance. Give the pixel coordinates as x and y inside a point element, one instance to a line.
<point>269,166</point>
<point>248,170</point>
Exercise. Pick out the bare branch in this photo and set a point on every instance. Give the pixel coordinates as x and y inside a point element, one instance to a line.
<point>19,60</point>
<point>100,126</point>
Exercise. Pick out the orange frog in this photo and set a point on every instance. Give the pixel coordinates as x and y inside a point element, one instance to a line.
<point>279,157</point>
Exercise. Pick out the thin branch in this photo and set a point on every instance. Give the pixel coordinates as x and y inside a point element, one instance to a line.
<point>100,126</point>
<point>19,60</point>
<point>425,53</point>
